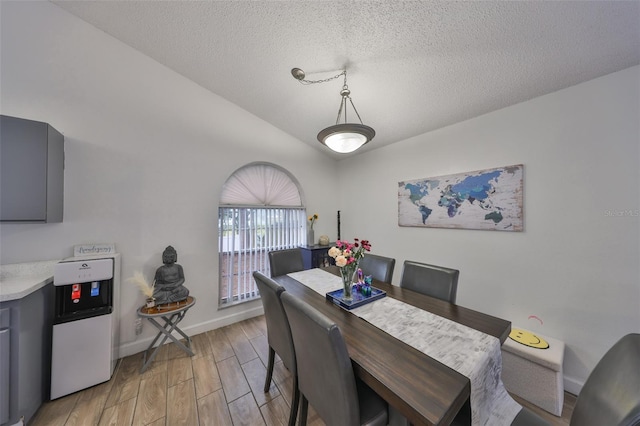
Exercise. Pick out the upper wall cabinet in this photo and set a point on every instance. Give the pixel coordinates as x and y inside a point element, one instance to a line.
<point>31,171</point>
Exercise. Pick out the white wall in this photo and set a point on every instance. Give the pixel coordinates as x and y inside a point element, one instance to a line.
<point>147,152</point>
<point>574,266</point>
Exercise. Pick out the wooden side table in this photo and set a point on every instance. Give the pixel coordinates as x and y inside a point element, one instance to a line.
<point>171,314</point>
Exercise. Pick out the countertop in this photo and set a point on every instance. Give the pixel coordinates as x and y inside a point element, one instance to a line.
<point>18,280</point>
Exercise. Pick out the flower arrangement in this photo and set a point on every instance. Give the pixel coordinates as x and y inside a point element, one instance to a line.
<point>347,256</point>
<point>312,219</point>
<point>346,253</point>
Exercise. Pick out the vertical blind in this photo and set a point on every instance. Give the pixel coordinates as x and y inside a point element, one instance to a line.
<point>247,235</point>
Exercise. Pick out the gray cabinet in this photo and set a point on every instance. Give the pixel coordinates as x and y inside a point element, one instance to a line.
<point>31,171</point>
<point>5,354</point>
<point>25,354</point>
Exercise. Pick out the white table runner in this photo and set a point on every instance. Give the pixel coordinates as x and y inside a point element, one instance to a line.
<point>470,352</point>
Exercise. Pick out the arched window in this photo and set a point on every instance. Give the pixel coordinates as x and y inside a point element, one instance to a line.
<point>261,209</point>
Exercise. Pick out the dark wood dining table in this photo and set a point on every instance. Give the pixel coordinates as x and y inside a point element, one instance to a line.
<point>420,388</point>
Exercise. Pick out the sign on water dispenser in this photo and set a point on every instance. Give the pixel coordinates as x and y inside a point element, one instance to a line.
<point>85,325</point>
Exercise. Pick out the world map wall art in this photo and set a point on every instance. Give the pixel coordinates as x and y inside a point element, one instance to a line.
<point>485,199</point>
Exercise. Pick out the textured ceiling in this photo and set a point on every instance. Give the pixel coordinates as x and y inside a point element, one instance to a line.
<point>413,66</point>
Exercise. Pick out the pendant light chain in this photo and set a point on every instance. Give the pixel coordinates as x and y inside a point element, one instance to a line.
<point>346,137</point>
<point>299,75</point>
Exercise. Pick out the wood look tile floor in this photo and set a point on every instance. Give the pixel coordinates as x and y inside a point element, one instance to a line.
<point>222,384</point>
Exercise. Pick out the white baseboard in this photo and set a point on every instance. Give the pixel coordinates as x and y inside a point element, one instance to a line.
<point>131,348</point>
<point>572,385</point>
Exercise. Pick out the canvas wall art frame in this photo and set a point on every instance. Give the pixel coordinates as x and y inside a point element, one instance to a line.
<point>489,199</point>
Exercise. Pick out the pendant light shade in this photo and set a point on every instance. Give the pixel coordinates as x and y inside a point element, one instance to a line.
<point>342,137</point>
<point>347,137</point>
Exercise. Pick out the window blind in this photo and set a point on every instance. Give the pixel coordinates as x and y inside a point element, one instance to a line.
<point>247,235</point>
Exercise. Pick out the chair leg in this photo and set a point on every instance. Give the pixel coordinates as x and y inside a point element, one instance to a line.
<point>295,401</point>
<point>267,382</point>
<point>304,406</point>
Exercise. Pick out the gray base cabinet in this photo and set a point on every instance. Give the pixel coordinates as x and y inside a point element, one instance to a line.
<point>31,171</point>
<point>5,354</point>
<point>25,355</point>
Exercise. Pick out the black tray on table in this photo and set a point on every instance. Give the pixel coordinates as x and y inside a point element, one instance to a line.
<point>358,298</point>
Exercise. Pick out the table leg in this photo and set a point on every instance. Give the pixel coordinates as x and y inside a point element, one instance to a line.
<point>174,327</point>
<point>170,324</point>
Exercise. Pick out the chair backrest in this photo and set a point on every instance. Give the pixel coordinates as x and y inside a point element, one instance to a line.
<point>283,262</point>
<point>435,281</point>
<point>325,374</point>
<point>611,394</point>
<point>278,331</point>
<point>379,267</point>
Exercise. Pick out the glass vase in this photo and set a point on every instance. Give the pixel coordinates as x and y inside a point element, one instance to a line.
<point>348,274</point>
<point>310,237</point>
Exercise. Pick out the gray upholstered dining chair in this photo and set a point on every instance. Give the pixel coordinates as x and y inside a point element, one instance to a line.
<point>611,394</point>
<point>379,267</point>
<point>278,336</point>
<point>285,261</point>
<point>325,375</point>
<point>432,280</point>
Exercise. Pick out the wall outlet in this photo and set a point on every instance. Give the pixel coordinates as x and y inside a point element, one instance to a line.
<point>138,326</point>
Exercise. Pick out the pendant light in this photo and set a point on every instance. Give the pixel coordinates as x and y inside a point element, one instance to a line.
<point>342,137</point>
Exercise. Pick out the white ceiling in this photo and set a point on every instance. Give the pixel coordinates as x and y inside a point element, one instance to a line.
<point>413,66</point>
